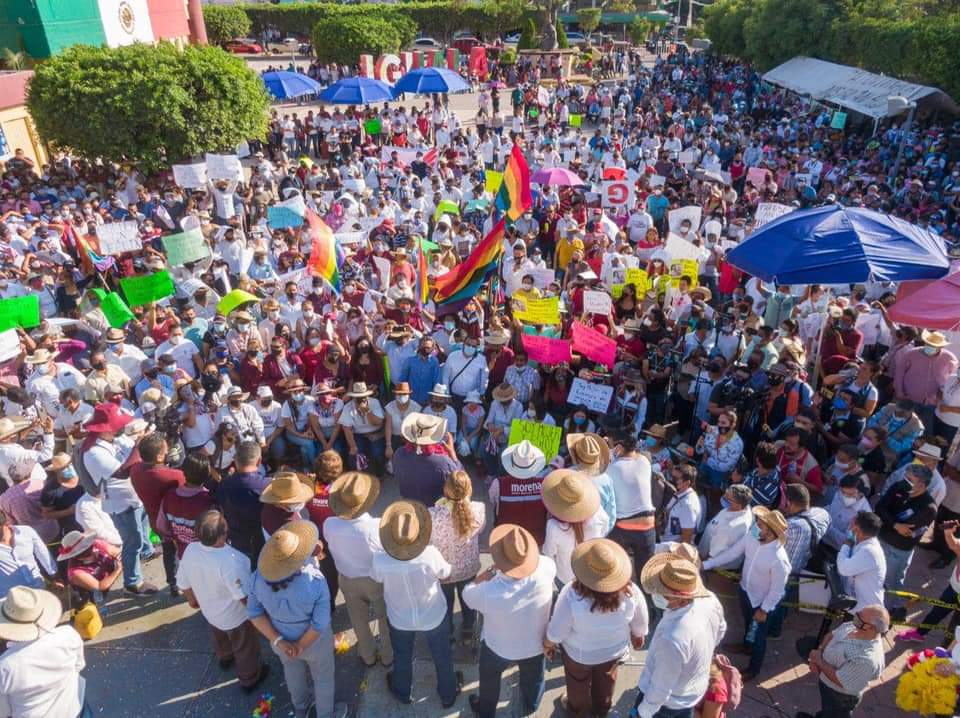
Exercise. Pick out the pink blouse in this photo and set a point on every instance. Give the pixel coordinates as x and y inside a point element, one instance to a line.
<point>461,552</point>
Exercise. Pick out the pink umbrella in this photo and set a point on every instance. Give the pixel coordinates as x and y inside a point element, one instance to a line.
<point>556,176</point>
<point>935,306</point>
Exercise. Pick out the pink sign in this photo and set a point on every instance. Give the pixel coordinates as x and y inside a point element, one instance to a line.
<point>594,345</point>
<point>757,176</point>
<point>546,350</point>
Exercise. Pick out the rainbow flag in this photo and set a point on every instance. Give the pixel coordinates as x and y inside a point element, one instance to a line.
<point>325,254</point>
<point>514,194</point>
<point>466,278</point>
<point>422,274</point>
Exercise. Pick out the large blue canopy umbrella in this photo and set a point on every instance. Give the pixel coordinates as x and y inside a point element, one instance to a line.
<point>356,91</point>
<point>838,245</point>
<point>283,85</point>
<point>428,80</point>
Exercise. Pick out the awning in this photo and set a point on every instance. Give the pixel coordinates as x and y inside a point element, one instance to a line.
<point>853,88</point>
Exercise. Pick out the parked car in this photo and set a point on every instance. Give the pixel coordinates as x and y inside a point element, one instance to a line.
<point>243,47</point>
<point>512,39</point>
<point>427,43</point>
<point>574,37</point>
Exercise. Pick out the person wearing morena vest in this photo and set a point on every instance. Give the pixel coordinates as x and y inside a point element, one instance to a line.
<point>517,497</point>
<point>180,507</point>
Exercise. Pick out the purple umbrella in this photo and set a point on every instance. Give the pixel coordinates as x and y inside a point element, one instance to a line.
<point>556,176</point>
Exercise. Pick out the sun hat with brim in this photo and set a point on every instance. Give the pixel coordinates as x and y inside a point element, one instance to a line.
<point>13,425</point>
<point>523,460</point>
<point>672,577</point>
<point>497,338</point>
<point>423,429</point>
<point>40,356</point>
<point>107,418</point>
<point>115,336</point>
<point>286,488</point>
<point>929,451</point>
<point>359,390</point>
<point>570,495</point>
<point>28,613</point>
<point>514,550</point>
<point>440,391</point>
<point>405,529</point>
<point>237,391</point>
<point>589,452</point>
<point>59,462</point>
<point>659,431</point>
<point>504,392</point>
<point>473,397</point>
<point>241,316</point>
<point>353,493</point>
<point>402,388</point>
<point>934,339</point>
<point>601,565</point>
<point>773,520</point>
<point>298,384</point>
<point>75,543</point>
<point>686,551</point>
<point>287,550</point>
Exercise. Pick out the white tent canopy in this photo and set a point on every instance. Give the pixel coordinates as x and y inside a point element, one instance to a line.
<point>850,87</point>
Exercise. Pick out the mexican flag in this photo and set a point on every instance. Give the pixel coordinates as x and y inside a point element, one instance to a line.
<point>125,21</point>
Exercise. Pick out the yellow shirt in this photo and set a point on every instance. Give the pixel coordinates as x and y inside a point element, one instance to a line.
<point>564,253</point>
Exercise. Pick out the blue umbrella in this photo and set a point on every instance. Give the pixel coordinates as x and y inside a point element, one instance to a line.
<point>839,245</point>
<point>428,80</point>
<point>356,91</point>
<point>282,84</point>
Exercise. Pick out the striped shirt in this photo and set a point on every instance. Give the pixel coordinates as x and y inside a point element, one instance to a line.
<point>856,661</point>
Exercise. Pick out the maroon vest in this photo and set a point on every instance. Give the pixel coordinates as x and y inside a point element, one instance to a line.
<point>181,513</point>
<point>521,503</point>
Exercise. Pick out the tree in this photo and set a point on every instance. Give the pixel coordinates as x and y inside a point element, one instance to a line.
<point>588,18</point>
<point>528,36</point>
<point>150,105</point>
<point>723,21</point>
<point>343,39</point>
<point>777,30</point>
<point>16,60</point>
<point>551,18</point>
<point>562,42</point>
<point>225,22</point>
<point>639,30</point>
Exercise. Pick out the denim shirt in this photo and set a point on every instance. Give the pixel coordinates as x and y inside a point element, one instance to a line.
<point>304,603</point>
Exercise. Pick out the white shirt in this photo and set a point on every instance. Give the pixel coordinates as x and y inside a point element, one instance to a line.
<point>182,354</point>
<point>951,398</point>
<point>864,568</point>
<point>594,637</point>
<point>677,669</point>
<point>41,679</point>
<point>560,541</point>
<point>765,570</point>
<point>129,361</point>
<point>411,589</point>
<point>47,387</point>
<point>15,455</point>
<point>631,484</point>
<point>360,424</point>
<point>723,531</point>
<point>683,512</point>
<point>515,611</point>
<point>90,515</point>
<point>219,578</point>
<point>102,461</point>
<point>463,374</point>
<point>67,421</point>
<point>353,543</point>
<point>245,418</point>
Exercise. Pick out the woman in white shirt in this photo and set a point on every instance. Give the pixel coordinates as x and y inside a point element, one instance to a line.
<point>596,619</point>
<point>573,502</point>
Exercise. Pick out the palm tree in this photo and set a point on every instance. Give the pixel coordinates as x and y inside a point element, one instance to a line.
<point>15,60</point>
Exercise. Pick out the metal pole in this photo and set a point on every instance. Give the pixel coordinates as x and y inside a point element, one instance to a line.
<point>903,141</point>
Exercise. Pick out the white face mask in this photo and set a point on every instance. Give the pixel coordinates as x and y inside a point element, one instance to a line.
<point>660,601</point>
<point>403,399</point>
<point>849,500</point>
<point>295,507</point>
<point>176,339</point>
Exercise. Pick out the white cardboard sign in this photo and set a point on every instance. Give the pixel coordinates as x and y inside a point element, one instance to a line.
<point>596,397</point>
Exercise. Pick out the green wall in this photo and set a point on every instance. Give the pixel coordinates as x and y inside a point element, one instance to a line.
<point>44,27</point>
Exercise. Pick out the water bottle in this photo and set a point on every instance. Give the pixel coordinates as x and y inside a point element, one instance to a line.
<point>751,632</point>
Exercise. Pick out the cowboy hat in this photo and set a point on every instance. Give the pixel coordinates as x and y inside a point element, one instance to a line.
<point>589,452</point>
<point>287,550</point>
<point>601,565</point>
<point>59,462</point>
<point>286,488</point>
<point>107,418</point>
<point>514,550</point>
<point>359,390</point>
<point>405,529</point>
<point>570,495</point>
<point>40,356</point>
<point>27,613</point>
<point>353,494</point>
<point>929,451</point>
<point>75,543</point>
<point>931,339</point>
<point>773,520</point>
<point>504,392</point>
<point>707,294</point>
<point>660,431</point>
<point>13,425</point>
<point>115,336</point>
<point>686,551</point>
<point>242,316</point>
<point>404,388</point>
<point>523,460</point>
<point>423,429</point>
<point>237,391</point>
<point>297,384</point>
<point>672,577</point>
<point>496,338</point>
<point>440,390</point>
<point>473,397</point>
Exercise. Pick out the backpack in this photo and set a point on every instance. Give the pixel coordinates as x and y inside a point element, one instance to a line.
<point>86,481</point>
<point>731,675</point>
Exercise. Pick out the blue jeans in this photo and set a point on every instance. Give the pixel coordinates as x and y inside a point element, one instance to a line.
<point>492,667</point>
<point>468,616</point>
<point>898,563</point>
<point>438,640</point>
<point>759,645</point>
<point>792,595</point>
<point>664,712</point>
<point>308,448</point>
<point>373,448</point>
<point>129,525</point>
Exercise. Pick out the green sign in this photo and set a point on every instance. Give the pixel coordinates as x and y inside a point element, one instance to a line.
<point>839,120</point>
<point>185,247</point>
<point>576,120</point>
<point>20,312</point>
<point>373,127</point>
<point>114,308</point>
<point>148,288</point>
<point>544,437</point>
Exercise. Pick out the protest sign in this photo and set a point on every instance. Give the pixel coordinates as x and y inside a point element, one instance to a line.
<point>119,237</point>
<point>373,127</point>
<point>350,237</point>
<point>9,345</point>
<point>538,311</point>
<point>757,176</point>
<point>639,279</point>
<point>687,157</point>
<point>617,193</point>
<point>596,397</point>
<point>383,269</point>
<point>283,218</point>
<point>838,121</point>
<point>541,277</point>
<point>657,181</point>
<point>20,312</point>
<point>114,308</point>
<point>243,149</point>
<point>234,299</point>
<point>679,248</point>
<point>492,181</point>
<point>546,350</point>
<point>597,303</point>
<point>769,211</point>
<point>185,247</point>
<point>576,120</point>
<point>190,176</point>
<point>224,167</point>
<point>569,156</point>
<point>594,345</point>
<point>147,288</point>
<point>543,436</point>
<point>691,212</point>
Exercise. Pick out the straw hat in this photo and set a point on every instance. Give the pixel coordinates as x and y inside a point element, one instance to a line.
<point>773,520</point>
<point>359,390</point>
<point>59,462</point>
<point>286,488</point>
<point>287,550</point>
<point>523,460</point>
<point>353,494</point>
<point>423,429</point>
<point>570,495</point>
<point>328,466</point>
<point>589,452</point>
<point>601,565</point>
<point>514,550</point>
<point>405,529</point>
<point>660,431</point>
<point>75,543</point>
<point>242,316</point>
<point>504,392</point>
<point>931,339</point>
<point>686,551</point>
<point>672,577</point>
<point>929,451</point>
<point>496,338</point>
<point>440,391</point>
<point>40,356</point>
<point>115,336</point>
<point>10,425</point>
<point>28,613</point>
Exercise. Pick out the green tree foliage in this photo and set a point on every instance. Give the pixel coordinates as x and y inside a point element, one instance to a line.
<point>724,21</point>
<point>528,38</point>
<point>639,30</point>
<point>151,105</point>
<point>562,41</point>
<point>344,38</point>
<point>777,30</point>
<point>225,22</point>
<point>588,18</point>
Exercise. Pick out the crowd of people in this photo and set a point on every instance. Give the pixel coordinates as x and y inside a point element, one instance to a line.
<point>743,433</point>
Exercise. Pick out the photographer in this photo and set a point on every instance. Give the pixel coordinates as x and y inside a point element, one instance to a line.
<point>732,393</point>
<point>788,394</point>
<point>657,367</point>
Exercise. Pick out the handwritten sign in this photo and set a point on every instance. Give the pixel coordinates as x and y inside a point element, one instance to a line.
<point>657,181</point>
<point>492,181</point>
<point>20,312</point>
<point>543,436</point>
<point>350,237</point>
<point>190,176</point>
<point>9,345</point>
<point>679,248</point>
<point>546,350</point>
<point>119,237</point>
<point>597,302</point>
<point>185,247</point>
<point>373,126</point>
<point>677,216</point>
<point>538,311</point>
<point>757,176</point>
<point>596,397</point>
<point>639,279</point>
<point>224,167</point>
<point>769,211</point>
<point>576,120</point>
<point>542,277</point>
<point>687,157</point>
<point>146,289</point>
<point>594,345</point>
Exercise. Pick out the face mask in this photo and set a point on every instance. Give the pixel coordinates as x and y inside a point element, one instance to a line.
<point>243,328</point>
<point>260,356</point>
<point>851,536</point>
<point>403,399</point>
<point>266,402</point>
<point>650,441</point>
<point>42,369</point>
<point>866,445</point>
<point>219,328</point>
<point>755,532</point>
<point>449,326</point>
<point>69,473</point>
<point>298,398</point>
<point>170,369</point>
<point>296,508</point>
<point>579,420</point>
<point>527,287</point>
<point>469,351</point>
<point>176,339</point>
<point>839,467</point>
<point>930,351</point>
<point>839,403</point>
<point>273,316</point>
<point>849,500</point>
<point>531,413</point>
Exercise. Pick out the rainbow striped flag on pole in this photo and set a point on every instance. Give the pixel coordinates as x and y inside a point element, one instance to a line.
<point>466,278</point>
<point>325,254</point>
<point>514,196</point>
